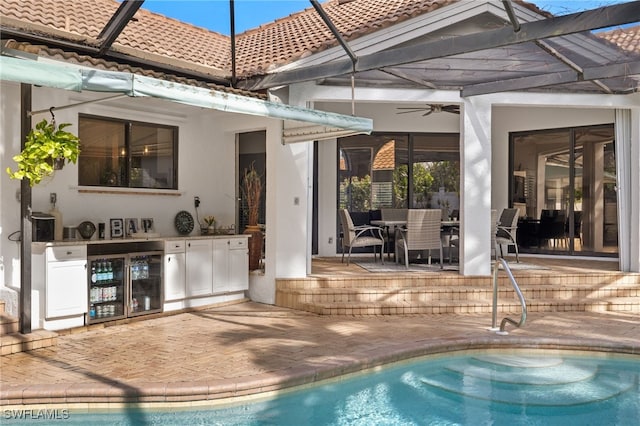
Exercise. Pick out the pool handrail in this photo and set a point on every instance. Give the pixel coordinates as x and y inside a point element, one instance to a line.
<point>523,303</point>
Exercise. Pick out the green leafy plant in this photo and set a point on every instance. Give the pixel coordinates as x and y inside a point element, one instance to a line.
<point>45,145</point>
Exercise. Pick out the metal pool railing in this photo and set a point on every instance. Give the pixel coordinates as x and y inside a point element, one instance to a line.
<point>523,303</point>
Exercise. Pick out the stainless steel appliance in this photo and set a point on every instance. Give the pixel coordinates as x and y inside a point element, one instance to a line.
<point>43,226</point>
<point>124,285</point>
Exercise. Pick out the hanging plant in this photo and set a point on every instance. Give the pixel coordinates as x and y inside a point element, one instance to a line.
<point>45,148</point>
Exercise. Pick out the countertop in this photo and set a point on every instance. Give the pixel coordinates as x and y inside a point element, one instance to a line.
<point>75,242</point>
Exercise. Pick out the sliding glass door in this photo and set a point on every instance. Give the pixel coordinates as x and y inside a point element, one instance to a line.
<point>563,183</point>
<point>398,170</point>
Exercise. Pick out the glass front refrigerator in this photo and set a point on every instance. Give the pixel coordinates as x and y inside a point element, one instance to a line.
<point>145,271</point>
<point>122,286</point>
<point>108,288</point>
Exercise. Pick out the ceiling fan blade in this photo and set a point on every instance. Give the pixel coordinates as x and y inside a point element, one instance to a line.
<point>410,110</point>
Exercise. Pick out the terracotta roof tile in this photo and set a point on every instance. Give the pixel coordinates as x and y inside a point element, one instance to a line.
<point>98,63</point>
<point>273,44</point>
<point>303,33</point>
<point>386,157</point>
<point>148,32</point>
<point>626,38</point>
<point>189,47</point>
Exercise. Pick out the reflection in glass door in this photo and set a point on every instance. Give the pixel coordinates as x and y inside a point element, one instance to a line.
<point>563,182</point>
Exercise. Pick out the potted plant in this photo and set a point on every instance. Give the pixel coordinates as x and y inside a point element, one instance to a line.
<point>45,150</point>
<point>211,224</point>
<point>252,192</point>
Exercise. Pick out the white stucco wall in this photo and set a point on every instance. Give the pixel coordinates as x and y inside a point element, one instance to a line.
<point>207,159</point>
<point>508,113</point>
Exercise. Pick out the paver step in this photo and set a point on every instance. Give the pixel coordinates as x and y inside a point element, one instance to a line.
<point>453,280</point>
<point>8,324</point>
<point>629,304</point>
<point>16,342</point>
<point>296,298</point>
<point>619,290</point>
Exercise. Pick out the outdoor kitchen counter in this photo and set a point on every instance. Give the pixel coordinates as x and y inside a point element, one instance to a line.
<point>184,272</point>
<point>40,246</point>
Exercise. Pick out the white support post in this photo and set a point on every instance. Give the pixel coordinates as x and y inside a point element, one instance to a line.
<point>475,194</point>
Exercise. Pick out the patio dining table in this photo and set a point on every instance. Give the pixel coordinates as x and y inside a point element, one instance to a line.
<point>446,225</point>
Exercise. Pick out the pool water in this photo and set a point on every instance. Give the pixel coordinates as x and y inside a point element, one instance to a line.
<point>483,388</point>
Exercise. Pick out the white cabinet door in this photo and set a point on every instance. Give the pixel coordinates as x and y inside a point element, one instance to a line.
<point>238,265</point>
<point>199,268</point>
<point>220,265</point>
<point>231,265</point>
<point>66,289</point>
<point>174,276</point>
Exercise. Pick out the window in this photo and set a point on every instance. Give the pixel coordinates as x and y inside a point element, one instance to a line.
<point>127,154</point>
<point>399,171</point>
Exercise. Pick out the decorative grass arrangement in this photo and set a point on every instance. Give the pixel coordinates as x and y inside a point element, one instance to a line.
<point>252,191</point>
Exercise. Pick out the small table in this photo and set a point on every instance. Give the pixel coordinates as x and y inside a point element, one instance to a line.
<point>447,225</point>
<point>386,224</point>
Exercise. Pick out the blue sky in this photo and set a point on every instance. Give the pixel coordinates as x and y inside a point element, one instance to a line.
<point>214,14</point>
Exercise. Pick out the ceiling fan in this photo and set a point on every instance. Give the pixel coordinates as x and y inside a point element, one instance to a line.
<point>430,109</point>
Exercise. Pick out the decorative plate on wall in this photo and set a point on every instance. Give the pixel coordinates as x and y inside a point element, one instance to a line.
<point>86,229</point>
<point>184,222</point>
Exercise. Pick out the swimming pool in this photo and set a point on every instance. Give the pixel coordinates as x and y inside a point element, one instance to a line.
<point>488,387</point>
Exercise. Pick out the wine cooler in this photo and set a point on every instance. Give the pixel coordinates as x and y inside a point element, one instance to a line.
<point>122,286</point>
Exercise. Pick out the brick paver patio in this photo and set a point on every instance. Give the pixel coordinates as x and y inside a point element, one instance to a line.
<point>245,348</point>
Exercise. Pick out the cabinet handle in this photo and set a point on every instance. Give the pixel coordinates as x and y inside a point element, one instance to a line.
<point>168,259</point>
<point>69,253</point>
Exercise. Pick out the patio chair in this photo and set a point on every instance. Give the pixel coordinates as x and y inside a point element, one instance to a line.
<point>577,226</point>
<point>494,231</point>
<point>421,233</point>
<point>507,230</point>
<point>360,236</point>
<point>552,227</point>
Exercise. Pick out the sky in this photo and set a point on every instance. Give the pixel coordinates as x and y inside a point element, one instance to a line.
<point>214,14</point>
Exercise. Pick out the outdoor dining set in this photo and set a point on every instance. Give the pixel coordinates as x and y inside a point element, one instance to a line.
<point>406,232</point>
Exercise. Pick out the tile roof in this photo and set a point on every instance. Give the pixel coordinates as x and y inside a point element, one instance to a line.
<point>154,37</point>
<point>303,33</point>
<point>385,158</point>
<point>626,38</point>
<point>98,63</point>
<point>279,42</point>
<point>147,33</point>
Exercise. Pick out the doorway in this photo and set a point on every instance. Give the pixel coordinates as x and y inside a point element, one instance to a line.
<point>563,181</point>
<point>252,150</point>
